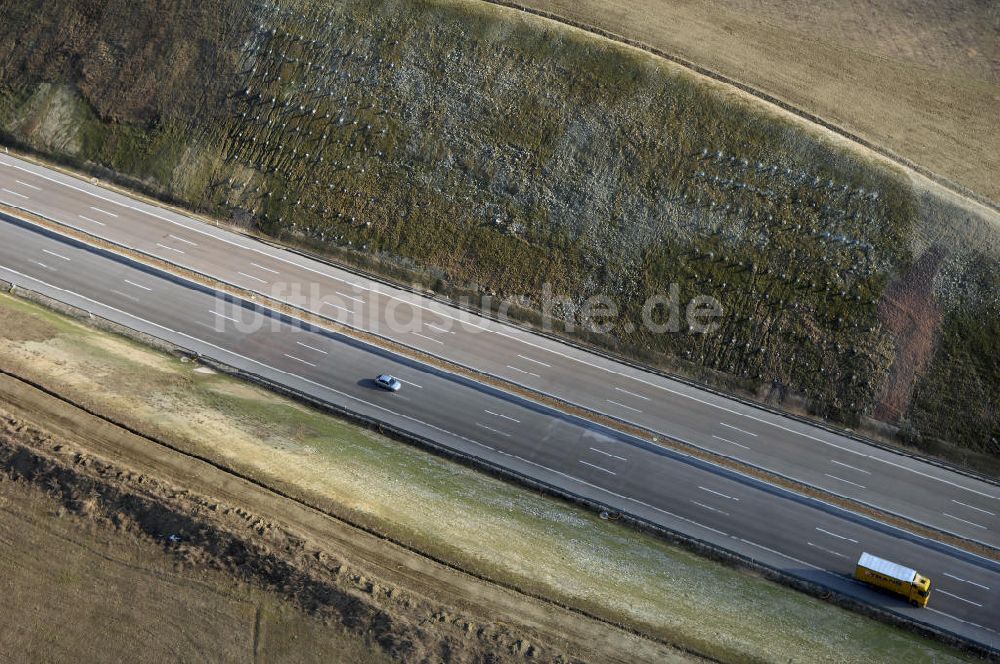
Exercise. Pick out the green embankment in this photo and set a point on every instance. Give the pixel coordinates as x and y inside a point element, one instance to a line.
<point>478,150</point>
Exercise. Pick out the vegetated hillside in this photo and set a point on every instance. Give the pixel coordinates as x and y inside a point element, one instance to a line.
<point>480,150</point>
<point>918,78</point>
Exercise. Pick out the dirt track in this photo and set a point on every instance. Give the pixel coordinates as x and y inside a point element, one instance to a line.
<point>391,599</point>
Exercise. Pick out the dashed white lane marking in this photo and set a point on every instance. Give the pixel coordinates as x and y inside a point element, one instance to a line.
<point>978,509</point>
<point>964,521</point>
<point>424,336</point>
<point>709,507</point>
<point>971,583</point>
<point>180,239</point>
<point>609,472</point>
<point>318,350</point>
<point>783,555</point>
<point>132,283</point>
<point>483,426</point>
<point>841,479</point>
<point>731,442</point>
<point>97,209</point>
<point>636,410</point>
<point>845,465</point>
<point>163,246</point>
<point>438,328</point>
<point>337,306</point>
<point>830,551</point>
<point>961,599</point>
<point>250,276</point>
<point>523,371</point>
<point>632,394</point>
<point>93,221</point>
<point>29,186</point>
<point>837,536</point>
<point>42,264</point>
<point>52,253</point>
<point>350,297</point>
<point>266,269</point>
<point>14,193</point>
<point>501,415</point>
<point>410,383</point>
<point>718,493</point>
<point>216,313</point>
<point>730,426</point>
<point>840,447</point>
<point>531,359</point>
<point>298,359</point>
<point>613,456</point>
<point>957,619</point>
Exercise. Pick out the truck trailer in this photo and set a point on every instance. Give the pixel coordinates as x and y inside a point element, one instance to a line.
<point>895,578</point>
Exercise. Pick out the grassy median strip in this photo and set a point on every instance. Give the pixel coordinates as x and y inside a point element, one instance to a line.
<point>489,527</point>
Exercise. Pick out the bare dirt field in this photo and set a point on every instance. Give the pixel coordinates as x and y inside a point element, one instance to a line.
<point>919,78</point>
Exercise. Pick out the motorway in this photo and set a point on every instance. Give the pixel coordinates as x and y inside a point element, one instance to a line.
<point>925,493</point>
<point>803,537</point>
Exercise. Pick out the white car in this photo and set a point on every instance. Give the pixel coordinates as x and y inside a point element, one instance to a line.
<point>387,382</point>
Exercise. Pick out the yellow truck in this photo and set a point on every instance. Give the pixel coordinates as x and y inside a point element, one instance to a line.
<point>893,577</point>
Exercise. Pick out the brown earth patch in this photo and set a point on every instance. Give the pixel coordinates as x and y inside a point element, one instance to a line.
<point>909,312</point>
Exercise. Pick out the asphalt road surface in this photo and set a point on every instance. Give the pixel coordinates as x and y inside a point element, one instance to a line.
<point>935,496</point>
<point>806,538</point>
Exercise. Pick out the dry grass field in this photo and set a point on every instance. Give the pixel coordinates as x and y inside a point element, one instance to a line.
<point>918,77</point>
